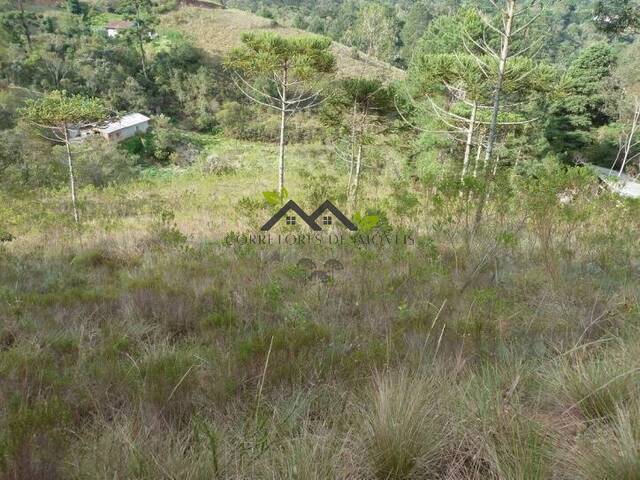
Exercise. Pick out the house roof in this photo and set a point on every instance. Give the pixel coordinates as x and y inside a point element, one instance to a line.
<point>621,183</point>
<point>124,122</point>
<point>119,24</point>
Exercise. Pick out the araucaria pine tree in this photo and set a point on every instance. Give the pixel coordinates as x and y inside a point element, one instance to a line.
<point>54,115</point>
<point>291,67</point>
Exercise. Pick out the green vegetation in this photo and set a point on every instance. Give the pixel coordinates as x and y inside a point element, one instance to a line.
<point>286,66</point>
<point>482,323</point>
<point>54,113</point>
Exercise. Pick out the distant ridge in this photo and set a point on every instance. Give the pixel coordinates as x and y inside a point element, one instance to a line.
<point>201,3</point>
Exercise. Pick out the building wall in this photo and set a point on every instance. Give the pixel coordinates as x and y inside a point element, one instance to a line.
<point>142,128</point>
<point>127,132</point>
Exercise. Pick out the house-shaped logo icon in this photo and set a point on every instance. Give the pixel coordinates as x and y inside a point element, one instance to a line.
<point>328,211</point>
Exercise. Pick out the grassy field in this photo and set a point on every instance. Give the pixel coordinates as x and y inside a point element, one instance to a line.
<point>143,346</point>
<point>218,31</point>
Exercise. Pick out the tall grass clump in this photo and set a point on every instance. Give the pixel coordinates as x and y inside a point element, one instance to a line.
<point>170,382</point>
<point>597,386</point>
<point>502,440</point>
<point>404,430</point>
<point>307,456</point>
<point>520,449</point>
<point>609,451</point>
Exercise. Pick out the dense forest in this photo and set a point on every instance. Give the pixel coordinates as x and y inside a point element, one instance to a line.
<point>463,302</point>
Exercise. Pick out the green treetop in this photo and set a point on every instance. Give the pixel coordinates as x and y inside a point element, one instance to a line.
<point>288,66</point>
<point>55,113</point>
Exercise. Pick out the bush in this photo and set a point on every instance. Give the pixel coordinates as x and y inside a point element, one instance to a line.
<point>25,161</point>
<point>6,236</point>
<point>265,13</point>
<point>251,123</point>
<point>233,118</point>
<point>218,164</point>
<point>165,6</point>
<point>100,162</point>
<point>162,139</point>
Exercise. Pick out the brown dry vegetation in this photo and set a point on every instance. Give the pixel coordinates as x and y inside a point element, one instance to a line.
<point>142,346</point>
<point>218,31</point>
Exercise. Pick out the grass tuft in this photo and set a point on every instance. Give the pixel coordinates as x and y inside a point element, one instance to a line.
<point>610,451</point>
<point>404,431</point>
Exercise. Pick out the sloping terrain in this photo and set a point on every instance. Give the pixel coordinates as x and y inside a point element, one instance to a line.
<point>218,31</point>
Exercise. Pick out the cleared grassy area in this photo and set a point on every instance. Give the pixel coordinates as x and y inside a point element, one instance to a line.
<point>218,31</point>
<point>143,346</point>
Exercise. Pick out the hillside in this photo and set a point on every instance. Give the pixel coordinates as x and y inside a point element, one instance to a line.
<point>218,31</point>
<point>422,279</point>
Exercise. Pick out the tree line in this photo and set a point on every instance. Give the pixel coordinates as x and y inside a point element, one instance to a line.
<point>481,96</point>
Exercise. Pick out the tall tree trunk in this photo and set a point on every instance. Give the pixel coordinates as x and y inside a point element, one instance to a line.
<point>635,124</point>
<point>72,180</point>
<point>356,180</point>
<point>467,149</point>
<point>25,25</point>
<point>140,34</point>
<point>352,164</point>
<point>504,56</point>
<point>143,59</point>
<point>283,119</point>
<point>509,14</point>
<point>518,157</point>
<point>478,154</point>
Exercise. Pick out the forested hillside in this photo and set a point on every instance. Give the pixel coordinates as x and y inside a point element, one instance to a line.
<point>392,29</point>
<point>320,239</point>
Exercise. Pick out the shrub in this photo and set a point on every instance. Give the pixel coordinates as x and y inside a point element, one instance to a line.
<point>6,236</point>
<point>250,123</point>
<point>97,257</point>
<point>233,117</point>
<point>163,139</point>
<point>165,231</point>
<point>218,164</point>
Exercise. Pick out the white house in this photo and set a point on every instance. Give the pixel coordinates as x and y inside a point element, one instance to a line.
<point>619,182</point>
<point>125,127</point>
<point>115,27</point>
<point>117,130</point>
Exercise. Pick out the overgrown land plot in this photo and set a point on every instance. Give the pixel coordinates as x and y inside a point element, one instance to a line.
<point>450,285</point>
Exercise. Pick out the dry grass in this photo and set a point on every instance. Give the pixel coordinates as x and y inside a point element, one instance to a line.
<point>611,450</point>
<point>137,348</point>
<point>405,431</point>
<point>218,31</point>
